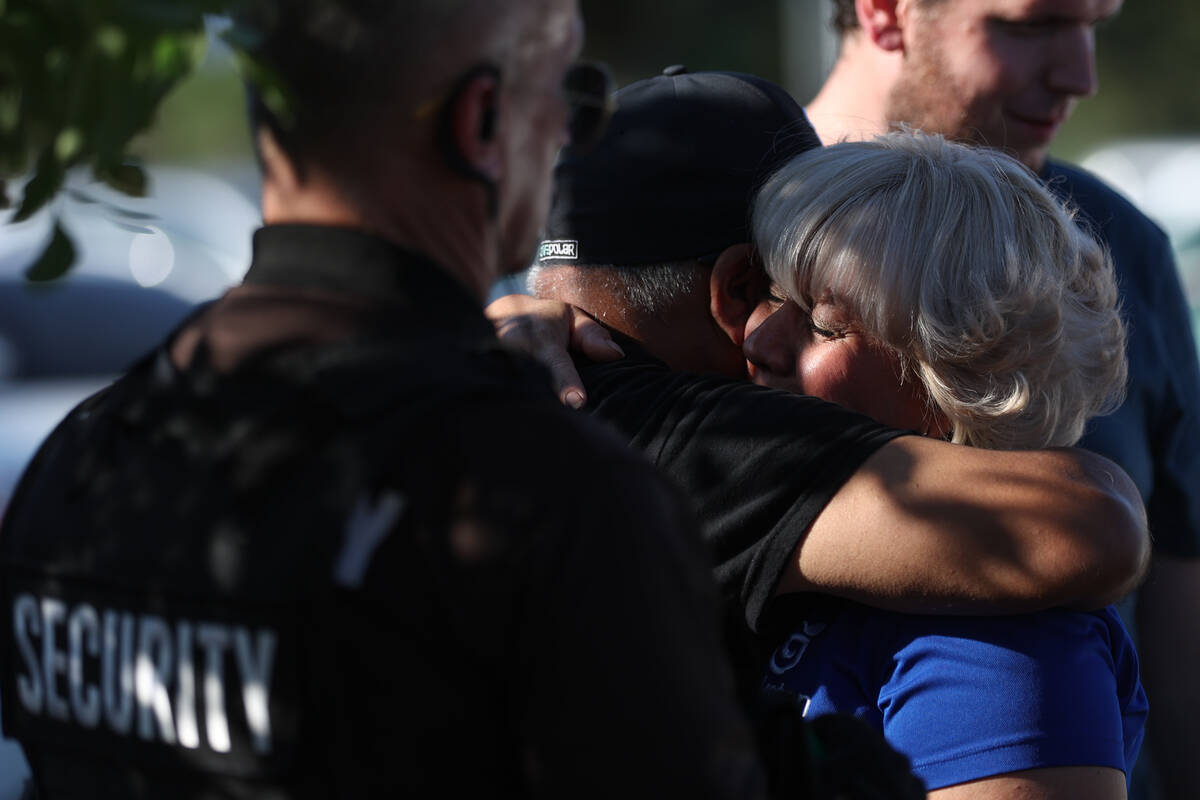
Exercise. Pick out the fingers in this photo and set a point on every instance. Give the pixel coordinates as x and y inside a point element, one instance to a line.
<point>542,329</point>
<point>566,381</point>
<point>592,339</point>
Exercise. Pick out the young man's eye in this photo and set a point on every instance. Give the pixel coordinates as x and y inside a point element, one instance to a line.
<point>775,296</point>
<point>1017,27</point>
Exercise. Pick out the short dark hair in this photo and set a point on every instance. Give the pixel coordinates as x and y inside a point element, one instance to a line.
<point>645,288</point>
<point>332,74</point>
<point>317,67</point>
<point>845,17</point>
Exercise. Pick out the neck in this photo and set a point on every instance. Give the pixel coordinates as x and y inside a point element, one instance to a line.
<point>852,104</point>
<point>451,229</point>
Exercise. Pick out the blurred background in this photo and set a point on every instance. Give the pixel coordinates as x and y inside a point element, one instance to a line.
<point>144,263</point>
<point>1141,133</point>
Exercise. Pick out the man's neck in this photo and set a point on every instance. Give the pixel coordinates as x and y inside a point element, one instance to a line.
<point>851,105</point>
<point>448,233</point>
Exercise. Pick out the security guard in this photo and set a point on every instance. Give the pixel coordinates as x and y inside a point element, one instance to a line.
<point>324,542</point>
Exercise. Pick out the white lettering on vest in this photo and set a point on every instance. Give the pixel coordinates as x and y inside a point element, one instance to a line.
<point>27,621</point>
<point>214,639</point>
<point>115,664</point>
<point>185,690</point>
<point>83,632</point>
<point>154,663</point>
<point>54,661</point>
<point>256,664</point>
<point>116,678</point>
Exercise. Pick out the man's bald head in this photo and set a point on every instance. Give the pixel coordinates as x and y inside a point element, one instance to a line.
<point>358,74</point>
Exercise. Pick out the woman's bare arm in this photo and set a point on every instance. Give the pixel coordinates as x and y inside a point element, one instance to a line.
<point>925,526</point>
<point>1050,783</point>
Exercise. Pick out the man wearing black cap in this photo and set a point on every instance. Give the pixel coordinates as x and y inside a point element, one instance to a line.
<point>648,234</point>
<point>280,557</point>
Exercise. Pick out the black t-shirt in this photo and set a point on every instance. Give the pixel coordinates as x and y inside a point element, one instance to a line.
<point>758,465</point>
<point>353,548</point>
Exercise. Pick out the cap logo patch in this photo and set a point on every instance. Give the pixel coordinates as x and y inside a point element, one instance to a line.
<point>558,248</point>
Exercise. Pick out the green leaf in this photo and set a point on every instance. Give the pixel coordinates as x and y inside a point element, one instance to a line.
<point>55,260</point>
<point>56,59</point>
<point>128,179</point>
<point>68,144</point>
<point>41,187</point>
<point>197,49</point>
<point>111,41</point>
<point>270,87</point>
<point>14,154</point>
<point>10,108</point>
<point>175,54</point>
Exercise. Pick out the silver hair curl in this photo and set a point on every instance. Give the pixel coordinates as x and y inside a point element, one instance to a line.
<point>959,260</point>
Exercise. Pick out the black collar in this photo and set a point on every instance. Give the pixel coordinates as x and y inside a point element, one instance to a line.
<point>348,261</point>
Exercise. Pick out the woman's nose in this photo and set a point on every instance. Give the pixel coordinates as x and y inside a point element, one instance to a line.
<point>771,347</point>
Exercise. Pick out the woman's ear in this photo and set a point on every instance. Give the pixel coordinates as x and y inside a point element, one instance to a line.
<point>737,285</point>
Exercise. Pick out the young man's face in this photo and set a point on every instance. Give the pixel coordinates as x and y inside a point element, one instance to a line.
<point>1005,73</point>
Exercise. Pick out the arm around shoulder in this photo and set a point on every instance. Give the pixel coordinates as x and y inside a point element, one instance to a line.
<point>930,527</point>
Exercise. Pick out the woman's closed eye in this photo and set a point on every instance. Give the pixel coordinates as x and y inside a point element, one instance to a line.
<point>824,333</point>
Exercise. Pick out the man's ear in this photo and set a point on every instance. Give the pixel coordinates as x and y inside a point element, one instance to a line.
<point>883,22</point>
<point>276,165</point>
<point>474,123</point>
<point>737,285</point>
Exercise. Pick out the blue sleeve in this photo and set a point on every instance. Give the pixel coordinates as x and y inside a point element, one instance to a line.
<point>973,697</point>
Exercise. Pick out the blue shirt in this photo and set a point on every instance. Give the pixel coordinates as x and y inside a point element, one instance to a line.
<point>1155,435</point>
<point>969,697</point>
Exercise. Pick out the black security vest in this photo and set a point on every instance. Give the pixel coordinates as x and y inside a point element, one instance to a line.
<point>181,550</point>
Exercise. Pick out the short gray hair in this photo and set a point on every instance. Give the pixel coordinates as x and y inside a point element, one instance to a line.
<point>959,260</point>
<point>357,70</point>
<point>644,288</point>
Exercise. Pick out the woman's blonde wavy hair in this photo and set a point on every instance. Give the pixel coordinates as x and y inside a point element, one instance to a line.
<point>960,261</point>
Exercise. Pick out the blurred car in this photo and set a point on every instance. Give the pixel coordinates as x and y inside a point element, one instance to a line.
<point>142,265</point>
<point>1160,176</point>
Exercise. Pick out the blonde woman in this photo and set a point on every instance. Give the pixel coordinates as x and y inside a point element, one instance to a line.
<point>940,288</point>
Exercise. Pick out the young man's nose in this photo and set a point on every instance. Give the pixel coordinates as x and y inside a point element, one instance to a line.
<point>1072,63</point>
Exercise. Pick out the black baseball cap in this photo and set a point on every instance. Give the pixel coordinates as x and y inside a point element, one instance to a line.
<point>676,171</point>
